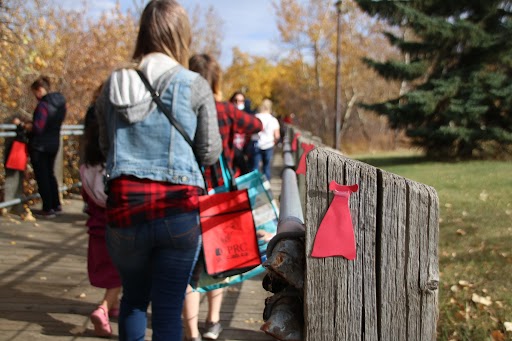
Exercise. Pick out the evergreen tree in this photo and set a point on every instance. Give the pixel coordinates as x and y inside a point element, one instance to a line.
<point>458,71</point>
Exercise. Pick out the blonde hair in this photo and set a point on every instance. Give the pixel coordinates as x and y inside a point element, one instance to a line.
<point>165,28</point>
<point>265,106</point>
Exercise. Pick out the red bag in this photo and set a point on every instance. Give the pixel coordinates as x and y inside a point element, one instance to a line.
<point>230,244</point>
<point>18,156</point>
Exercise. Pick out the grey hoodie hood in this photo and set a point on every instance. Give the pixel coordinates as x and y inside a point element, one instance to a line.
<point>128,93</point>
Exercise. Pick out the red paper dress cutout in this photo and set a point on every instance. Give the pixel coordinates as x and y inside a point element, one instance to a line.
<point>294,142</point>
<point>301,169</point>
<point>335,236</point>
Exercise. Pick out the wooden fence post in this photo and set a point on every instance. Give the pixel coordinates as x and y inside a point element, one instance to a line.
<point>389,292</point>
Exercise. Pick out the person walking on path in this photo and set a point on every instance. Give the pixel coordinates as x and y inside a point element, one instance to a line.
<point>44,143</point>
<point>102,272</point>
<point>231,120</point>
<point>153,177</point>
<point>241,160</point>
<point>263,143</point>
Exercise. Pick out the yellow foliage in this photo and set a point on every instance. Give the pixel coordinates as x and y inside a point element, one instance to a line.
<point>76,52</point>
<point>41,22</point>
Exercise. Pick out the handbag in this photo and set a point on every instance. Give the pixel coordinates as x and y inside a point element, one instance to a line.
<point>230,244</point>
<point>265,213</point>
<point>18,156</point>
<point>93,183</point>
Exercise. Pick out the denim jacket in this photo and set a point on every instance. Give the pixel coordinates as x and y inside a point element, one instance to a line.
<point>139,140</point>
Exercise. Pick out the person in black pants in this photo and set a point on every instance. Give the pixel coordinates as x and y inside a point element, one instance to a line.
<point>44,140</point>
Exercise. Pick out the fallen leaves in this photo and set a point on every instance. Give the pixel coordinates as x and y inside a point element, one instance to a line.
<point>508,326</point>
<point>497,335</point>
<point>481,300</point>
<point>27,216</point>
<point>484,195</point>
<point>463,283</point>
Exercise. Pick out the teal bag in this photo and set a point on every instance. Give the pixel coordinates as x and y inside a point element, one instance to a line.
<point>265,213</point>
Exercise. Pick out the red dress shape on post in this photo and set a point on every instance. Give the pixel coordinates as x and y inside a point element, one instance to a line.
<point>306,147</point>
<point>295,141</point>
<point>335,236</point>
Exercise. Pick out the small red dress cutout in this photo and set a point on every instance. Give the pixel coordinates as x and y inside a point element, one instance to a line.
<point>294,141</point>
<point>301,169</point>
<point>335,236</point>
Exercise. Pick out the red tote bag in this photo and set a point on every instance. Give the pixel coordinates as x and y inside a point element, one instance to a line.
<point>230,244</point>
<point>18,156</point>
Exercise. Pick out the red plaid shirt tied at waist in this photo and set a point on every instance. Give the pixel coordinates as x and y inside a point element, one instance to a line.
<point>134,201</point>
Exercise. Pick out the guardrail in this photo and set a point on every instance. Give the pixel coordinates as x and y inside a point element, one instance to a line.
<point>66,130</point>
<point>13,186</point>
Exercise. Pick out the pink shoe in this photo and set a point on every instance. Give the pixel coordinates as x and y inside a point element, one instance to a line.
<point>99,319</point>
<point>114,312</point>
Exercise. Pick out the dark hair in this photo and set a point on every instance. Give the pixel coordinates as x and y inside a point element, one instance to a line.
<point>41,82</point>
<point>236,93</point>
<point>91,139</point>
<point>92,153</point>
<point>165,28</point>
<point>209,68</point>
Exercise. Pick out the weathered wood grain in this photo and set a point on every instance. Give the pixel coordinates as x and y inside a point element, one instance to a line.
<point>389,292</point>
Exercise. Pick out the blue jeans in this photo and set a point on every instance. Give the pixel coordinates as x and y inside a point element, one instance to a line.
<point>264,156</point>
<point>155,261</point>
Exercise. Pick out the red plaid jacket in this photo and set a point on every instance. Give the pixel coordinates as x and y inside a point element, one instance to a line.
<point>231,121</point>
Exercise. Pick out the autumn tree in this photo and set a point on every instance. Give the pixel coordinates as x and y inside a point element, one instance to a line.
<point>459,73</point>
<point>308,34</point>
<point>13,58</point>
<point>253,74</point>
<point>207,31</point>
<point>76,51</point>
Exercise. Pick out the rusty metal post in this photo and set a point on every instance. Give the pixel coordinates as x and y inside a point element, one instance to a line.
<point>283,313</point>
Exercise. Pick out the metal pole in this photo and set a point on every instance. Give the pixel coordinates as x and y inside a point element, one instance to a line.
<point>337,96</point>
<point>17,201</point>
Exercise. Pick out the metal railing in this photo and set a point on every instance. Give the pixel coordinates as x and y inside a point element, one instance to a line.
<point>283,312</point>
<point>8,131</point>
<point>17,201</point>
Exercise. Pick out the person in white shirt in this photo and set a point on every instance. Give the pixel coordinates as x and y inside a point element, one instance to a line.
<point>265,140</point>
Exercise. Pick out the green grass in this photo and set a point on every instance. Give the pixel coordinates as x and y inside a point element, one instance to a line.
<point>475,242</point>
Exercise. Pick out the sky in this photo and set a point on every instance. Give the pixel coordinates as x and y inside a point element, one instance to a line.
<point>248,24</point>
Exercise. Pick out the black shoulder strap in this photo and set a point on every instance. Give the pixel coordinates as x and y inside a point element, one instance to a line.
<point>156,98</point>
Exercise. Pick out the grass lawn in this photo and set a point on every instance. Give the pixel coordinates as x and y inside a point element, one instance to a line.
<point>475,242</point>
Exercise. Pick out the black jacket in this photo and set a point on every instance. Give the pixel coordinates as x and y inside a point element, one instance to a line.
<point>48,139</point>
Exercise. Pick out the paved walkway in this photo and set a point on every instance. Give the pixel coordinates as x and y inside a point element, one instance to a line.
<point>45,293</point>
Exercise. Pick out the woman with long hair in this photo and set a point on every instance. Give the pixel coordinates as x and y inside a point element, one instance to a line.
<point>153,177</point>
